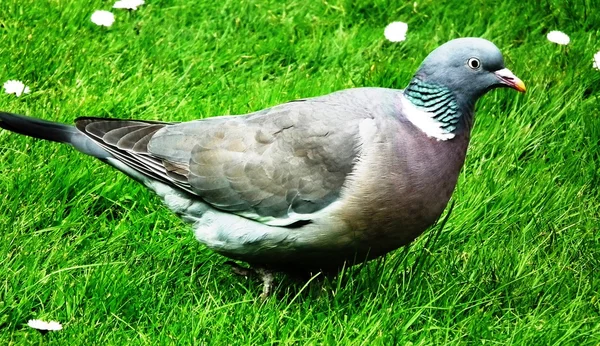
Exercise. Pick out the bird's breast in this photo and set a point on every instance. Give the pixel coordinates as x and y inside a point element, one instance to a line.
<point>400,186</point>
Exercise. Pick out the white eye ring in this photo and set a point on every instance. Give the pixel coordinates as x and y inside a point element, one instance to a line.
<point>474,63</point>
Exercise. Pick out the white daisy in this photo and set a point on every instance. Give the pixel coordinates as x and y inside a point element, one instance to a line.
<point>596,63</point>
<point>128,4</point>
<point>396,31</point>
<point>558,37</point>
<point>103,18</point>
<point>16,87</point>
<point>44,326</point>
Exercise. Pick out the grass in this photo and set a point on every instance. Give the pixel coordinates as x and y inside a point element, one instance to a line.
<point>517,262</point>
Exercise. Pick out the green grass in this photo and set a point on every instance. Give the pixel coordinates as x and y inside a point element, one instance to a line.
<point>517,262</point>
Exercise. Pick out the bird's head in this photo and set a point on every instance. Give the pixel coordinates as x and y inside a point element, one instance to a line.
<point>469,67</point>
<point>451,80</point>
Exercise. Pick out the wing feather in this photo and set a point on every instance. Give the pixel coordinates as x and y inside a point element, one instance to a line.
<point>277,166</point>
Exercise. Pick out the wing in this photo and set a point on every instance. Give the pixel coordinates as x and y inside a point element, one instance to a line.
<point>277,166</point>
<point>127,141</point>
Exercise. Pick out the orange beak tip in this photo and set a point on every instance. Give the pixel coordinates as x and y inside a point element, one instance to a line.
<point>508,78</point>
<point>520,86</point>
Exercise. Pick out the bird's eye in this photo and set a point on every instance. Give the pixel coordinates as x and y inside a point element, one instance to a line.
<point>474,63</point>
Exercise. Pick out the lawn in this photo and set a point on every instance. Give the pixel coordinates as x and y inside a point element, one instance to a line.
<point>80,243</point>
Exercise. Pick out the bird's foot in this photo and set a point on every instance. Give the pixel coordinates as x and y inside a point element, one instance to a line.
<point>241,270</point>
<point>264,274</point>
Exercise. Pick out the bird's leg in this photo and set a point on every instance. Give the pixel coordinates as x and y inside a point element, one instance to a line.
<point>267,278</point>
<point>264,274</point>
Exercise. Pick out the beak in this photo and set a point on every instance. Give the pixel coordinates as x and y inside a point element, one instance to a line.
<point>509,79</point>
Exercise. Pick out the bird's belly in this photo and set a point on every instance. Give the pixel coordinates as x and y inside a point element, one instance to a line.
<point>240,238</point>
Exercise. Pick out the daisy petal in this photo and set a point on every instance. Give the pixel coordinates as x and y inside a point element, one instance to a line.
<point>596,63</point>
<point>396,31</point>
<point>15,87</point>
<point>558,37</point>
<point>128,4</point>
<point>103,18</point>
<point>44,326</point>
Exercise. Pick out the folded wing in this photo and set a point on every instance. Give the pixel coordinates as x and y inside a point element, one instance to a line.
<point>277,166</point>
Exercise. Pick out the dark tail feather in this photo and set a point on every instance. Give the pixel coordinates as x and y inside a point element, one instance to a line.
<point>37,128</point>
<point>51,131</point>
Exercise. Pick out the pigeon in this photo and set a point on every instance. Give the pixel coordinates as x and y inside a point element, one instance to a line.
<point>310,185</point>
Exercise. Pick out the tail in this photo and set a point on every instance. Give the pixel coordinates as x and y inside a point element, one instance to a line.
<point>51,131</point>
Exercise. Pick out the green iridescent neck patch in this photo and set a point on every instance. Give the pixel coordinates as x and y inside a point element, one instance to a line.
<point>435,99</point>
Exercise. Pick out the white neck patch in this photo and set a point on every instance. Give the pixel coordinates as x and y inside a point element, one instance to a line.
<point>424,121</point>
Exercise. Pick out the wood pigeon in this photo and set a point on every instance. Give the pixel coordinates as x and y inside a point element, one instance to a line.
<point>312,184</point>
